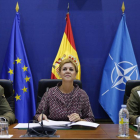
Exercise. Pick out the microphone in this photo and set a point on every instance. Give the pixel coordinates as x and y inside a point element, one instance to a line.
<point>42,131</point>
<point>42,119</point>
<point>47,89</point>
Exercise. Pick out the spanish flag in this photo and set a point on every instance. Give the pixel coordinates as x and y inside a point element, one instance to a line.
<point>67,49</point>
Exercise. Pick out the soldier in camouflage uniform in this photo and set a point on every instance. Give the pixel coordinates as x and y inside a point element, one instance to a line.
<point>5,109</point>
<point>133,105</point>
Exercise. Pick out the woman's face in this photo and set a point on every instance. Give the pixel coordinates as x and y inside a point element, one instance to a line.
<point>68,72</point>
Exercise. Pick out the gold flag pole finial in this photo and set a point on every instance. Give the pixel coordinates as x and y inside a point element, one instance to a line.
<point>123,7</point>
<point>17,7</point>
<point>68,8</point>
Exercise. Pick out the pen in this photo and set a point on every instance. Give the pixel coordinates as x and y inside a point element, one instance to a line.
<point>69,124</point>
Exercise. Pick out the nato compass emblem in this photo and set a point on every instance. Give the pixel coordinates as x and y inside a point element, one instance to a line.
<point>121,73</point>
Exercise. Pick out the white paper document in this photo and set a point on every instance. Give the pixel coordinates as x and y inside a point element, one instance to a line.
<point>25,125</point>
<point>6,136</point>
<point>136,125</point>
<point>68,123</point>
<point>84,123</point>
<point>57,123</point>
<point>137,136</point>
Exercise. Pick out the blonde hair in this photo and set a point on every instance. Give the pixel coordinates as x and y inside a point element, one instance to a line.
<point>68,60</point>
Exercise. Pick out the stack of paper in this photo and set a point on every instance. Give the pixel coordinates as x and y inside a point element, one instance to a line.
<point>57,124</point>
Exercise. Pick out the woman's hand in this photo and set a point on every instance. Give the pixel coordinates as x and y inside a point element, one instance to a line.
<point>42,118</point>
<point>74,117</point>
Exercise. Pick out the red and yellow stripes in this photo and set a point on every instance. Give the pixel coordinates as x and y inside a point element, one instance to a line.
<point>67,49</point>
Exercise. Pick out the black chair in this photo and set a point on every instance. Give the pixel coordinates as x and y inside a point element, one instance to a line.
<point>129,85</point>
<point>44,83</point>
<point>8,92</point>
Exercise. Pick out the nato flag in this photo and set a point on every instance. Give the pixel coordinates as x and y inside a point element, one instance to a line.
<point>120,66</point>
<point>16,68</point>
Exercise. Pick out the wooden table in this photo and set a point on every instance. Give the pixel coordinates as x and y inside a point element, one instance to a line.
<point>104,131</point>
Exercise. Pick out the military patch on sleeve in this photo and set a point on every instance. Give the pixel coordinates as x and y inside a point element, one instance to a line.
<point>138,93</point>
<point>3,96</point>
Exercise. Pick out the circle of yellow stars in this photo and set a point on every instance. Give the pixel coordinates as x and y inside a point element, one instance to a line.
<point>27,79</point>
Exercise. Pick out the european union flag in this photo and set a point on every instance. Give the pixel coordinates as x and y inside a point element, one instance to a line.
<point>120,66</point>
<point>16,68</point>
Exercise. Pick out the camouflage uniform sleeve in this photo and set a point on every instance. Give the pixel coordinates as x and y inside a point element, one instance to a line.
<point>133,105</point>
<point>5,109</point>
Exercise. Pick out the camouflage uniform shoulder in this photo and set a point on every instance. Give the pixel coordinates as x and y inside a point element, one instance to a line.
<point>2,92</point>
<point>135,89</point>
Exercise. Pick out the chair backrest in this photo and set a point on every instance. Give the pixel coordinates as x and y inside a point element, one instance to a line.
<point>8,92</point>
<point>129,85</point>
<point>48,83</point>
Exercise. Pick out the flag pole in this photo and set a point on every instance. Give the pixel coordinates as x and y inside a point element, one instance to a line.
<point>68,9</point>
